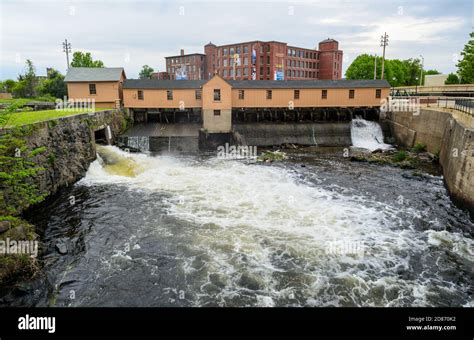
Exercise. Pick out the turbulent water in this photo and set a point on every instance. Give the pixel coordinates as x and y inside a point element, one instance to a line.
<point>367,134</point>
<point>151,230</point>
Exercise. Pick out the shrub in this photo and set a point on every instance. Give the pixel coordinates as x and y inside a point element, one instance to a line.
<point>400,156</point>
<point>419,147</point>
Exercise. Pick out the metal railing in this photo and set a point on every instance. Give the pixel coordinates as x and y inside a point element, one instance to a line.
<point>462,104</point>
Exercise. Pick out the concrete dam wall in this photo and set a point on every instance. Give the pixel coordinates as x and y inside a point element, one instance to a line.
<point>451,134</point>
<point>321,134</point>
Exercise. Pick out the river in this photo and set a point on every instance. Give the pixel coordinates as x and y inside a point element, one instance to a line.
<point>196,230</point>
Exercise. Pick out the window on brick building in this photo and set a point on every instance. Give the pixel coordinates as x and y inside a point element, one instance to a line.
<point>92,89</point>
<point>324,94</point>
<point>231,52</point>
<point>217,95</point>
<point>241,94</point>
<point>246,49</point>
<point>224,62</point>
<point>261,70</point>
<point>268,48</point>
<point>351,94</point>
<point>269,94</point>
<point>224,73</point>
<point>261,59</point>
<point>246,61</point>
<point>140,94</point>
<point>296,95</point>
<point>217,112</point>
<point>198,94</point>
<point>378,93</point>
<point>169,94</point>
<point>224,51</point>
<point>268,59</point>
<point>246,71</point>
<point>268,71</point>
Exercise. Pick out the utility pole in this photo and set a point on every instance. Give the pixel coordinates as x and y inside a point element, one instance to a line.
<point>383,43</point>
<point>421,71</point>
<point>67,50</point>
<point>375,67</point>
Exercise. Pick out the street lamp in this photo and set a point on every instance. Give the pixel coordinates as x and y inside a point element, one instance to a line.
<point>416,85</point>
<point>421,71</point>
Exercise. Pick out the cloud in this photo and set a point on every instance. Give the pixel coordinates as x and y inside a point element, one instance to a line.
<point>133,33</point>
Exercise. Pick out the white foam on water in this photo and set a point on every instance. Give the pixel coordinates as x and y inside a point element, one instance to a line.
<point>366,134</point>
<point>286,235</point>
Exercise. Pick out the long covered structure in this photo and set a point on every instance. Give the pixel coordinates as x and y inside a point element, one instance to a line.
<point>217,103</point>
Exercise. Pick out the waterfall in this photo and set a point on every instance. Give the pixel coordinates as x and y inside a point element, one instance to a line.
<point>366,134</point>
<point>139,142</point>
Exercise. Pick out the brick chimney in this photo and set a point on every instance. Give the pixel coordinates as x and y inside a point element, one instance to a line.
<point>182,52</point>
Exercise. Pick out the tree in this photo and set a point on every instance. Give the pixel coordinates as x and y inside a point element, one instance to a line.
<point>452,79</point>
<point>146,72</point>
<point>54,85</point>
<point>413,71</point>
<point>7,85</point>
<point>396,72</point>
<point>26,84</point>
<point>466,64</point>
<point>80,59</point>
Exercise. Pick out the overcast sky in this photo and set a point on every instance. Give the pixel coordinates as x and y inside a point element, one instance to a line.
<point>133,33</point>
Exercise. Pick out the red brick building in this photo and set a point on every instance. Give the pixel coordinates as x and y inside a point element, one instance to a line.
<point>186,66</point>
<point>160,75</point>
<point>263,60</point>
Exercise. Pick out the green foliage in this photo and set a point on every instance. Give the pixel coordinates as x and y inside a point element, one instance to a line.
<point>17,170</point>
<point>397,72</point>
<point>37,151</point>
<point>419,147</point>
<point>51,158</point>
<point>26,85</point>
<point>452,79</point>
<point>7,85</point>
<point>14,267</point>
<point>146,72</point>
<point>80,59</point>
<point>53,86</point>
<point>400,156</point>
<point>270,156</point>
<point>466,64</point>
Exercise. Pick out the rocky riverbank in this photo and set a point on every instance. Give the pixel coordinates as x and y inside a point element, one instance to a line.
<point>36,161</point>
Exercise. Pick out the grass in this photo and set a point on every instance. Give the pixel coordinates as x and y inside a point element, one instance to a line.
<point>30,117</point>
<point>34,99</point>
